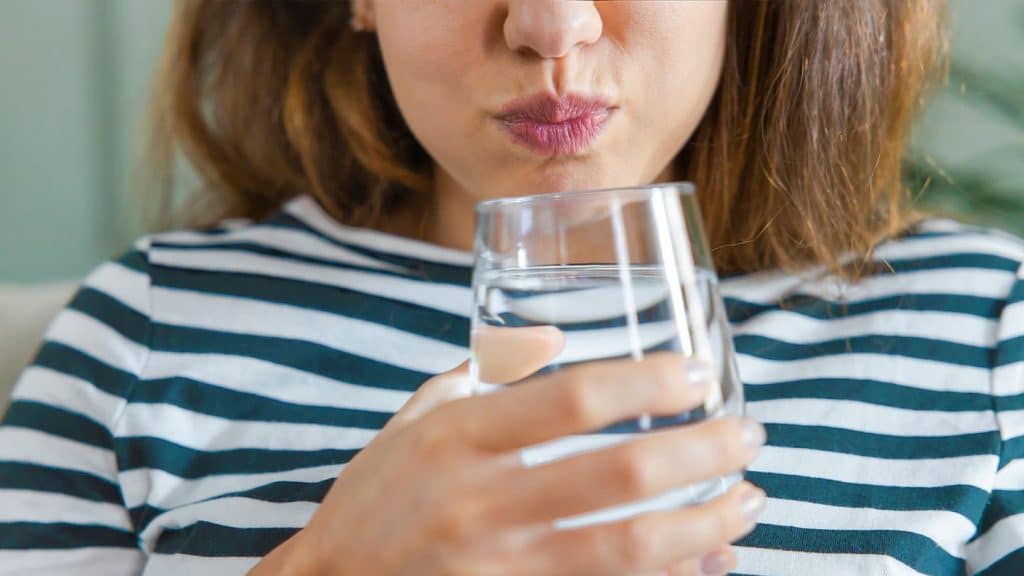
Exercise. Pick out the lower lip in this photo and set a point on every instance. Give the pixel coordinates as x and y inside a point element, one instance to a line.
<point>558,138</point>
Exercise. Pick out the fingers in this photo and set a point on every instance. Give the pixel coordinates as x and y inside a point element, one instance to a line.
<point>582,398</point>
<point>432,393</point>
<point>652,541</point>
<point>506,355</point>
<point>643,467</point>
<point>716,563</point>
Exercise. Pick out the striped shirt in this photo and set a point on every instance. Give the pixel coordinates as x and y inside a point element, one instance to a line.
<point>191,406</point>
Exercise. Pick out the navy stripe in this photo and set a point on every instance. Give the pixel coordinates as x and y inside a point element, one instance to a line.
<point>1013,449</point>
<point>970,501</point>
<point>1010,565</point>
<point>213,540</point>
<point>72,362</point>
<point>872,392</point>
<point>740,311</point>
<point>919,552</point>
<point>299,354</point>
<point>25,476</point>
<point>1002,504</point>
<point>869,444</point>
<point>110,311</point>
<point>405,316</point>
<point>58,422</point>
<point>262,250</point>
<point>136,452</point>
<point>277,492</point>
<point>1004,403</point>
<point>230,404</point>
<point>1010,351</point>
<point>961,260</point>
<point>908,346</point>
<point>61,535</point>
<point>430,271</point>
<point>135,260</point>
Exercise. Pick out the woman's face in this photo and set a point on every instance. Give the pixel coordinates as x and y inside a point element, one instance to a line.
<point>639,76</point>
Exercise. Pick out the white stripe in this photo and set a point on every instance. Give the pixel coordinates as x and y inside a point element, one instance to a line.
<point>948,530</point>
<point>233,512</point>
<point>1012,423</point>
<point>1008,380</point>
<point>1004,537</point>
<point>1011,477</point>
<point>124,284</point>
<point>770,562</point>
<point>96,339</point>
<point>32,446</point>
<point>48,507</point>
<point>902,370</point>
<point>965,241</point>
<point>1012,321</point>
<point>39,384</point>
<point>181,565</point>
<point>211,433</point>
<point>873,418</point>
<point>352,335</point>
<point>284,239</point>
<point>445,297</point>
<point>797,328</point>
<point>165,490</point>
<point>262,378</point>
<point>97,561</point>
<point>767,288</point>
<point>855,469</point>
<point>307,210</point>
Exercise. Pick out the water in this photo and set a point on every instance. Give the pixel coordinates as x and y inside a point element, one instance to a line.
<point>606,312</point>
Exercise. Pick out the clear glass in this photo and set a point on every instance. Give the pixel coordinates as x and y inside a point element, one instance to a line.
<point>621,273</point>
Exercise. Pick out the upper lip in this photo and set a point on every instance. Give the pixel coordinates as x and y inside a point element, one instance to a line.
<point>551,109</point>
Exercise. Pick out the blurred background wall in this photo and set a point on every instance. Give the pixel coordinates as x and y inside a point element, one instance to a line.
<point>76,75</point>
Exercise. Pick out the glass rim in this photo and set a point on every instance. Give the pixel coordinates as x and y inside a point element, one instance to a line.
<point>681,186</point>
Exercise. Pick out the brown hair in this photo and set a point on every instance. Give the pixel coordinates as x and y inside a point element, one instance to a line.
<point>797,161</point>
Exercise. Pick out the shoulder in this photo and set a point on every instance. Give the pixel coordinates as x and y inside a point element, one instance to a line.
<point>944,243</point>
<point>959,263</point>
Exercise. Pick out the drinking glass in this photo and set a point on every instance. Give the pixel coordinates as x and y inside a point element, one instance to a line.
<point>621,273</point>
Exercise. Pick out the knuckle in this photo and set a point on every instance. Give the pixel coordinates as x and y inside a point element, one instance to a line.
<point>578,402</point>
<point>431,436</point>
<point>456,523</point>
<point>635,543</point>
<point>665,384</point>
<point>728,443</point>
<point>633,471</point>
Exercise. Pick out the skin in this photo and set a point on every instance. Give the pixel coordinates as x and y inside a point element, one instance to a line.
<point>420,498</point>
<point>452,64</point>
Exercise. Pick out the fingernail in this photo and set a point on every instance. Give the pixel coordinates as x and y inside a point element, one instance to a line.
<point>698,374</point>
<point>752,504</point>
<point>714,563</point>
<point>753,433</point>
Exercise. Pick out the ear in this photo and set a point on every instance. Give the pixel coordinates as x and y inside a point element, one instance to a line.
<point>363,18</point>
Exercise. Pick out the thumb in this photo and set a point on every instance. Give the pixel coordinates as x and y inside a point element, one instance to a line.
<point>504,355</point>
<point>446,386</point>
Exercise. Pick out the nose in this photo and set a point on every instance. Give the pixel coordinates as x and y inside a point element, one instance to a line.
<point>551,28</point>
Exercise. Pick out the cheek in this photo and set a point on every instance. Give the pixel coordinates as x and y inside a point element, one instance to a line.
<point>426,55</point>
<point>683,48</point>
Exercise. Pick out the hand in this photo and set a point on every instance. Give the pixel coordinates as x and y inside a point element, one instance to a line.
<point>441,490</point>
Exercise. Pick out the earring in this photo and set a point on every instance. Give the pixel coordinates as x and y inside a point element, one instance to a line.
<point>362,15</point>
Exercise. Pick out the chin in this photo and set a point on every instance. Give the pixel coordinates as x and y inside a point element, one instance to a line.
<point>564,178</point>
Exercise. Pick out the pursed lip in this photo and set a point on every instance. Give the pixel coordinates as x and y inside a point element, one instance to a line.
<point>552,125</point>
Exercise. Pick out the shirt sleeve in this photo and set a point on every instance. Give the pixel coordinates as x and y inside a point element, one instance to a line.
<point>998,550</point>
<point>61,507</point>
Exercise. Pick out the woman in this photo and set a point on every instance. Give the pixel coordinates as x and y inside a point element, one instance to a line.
<point>212,402</point>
